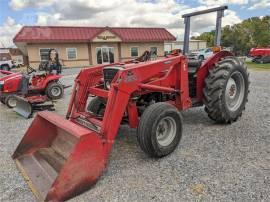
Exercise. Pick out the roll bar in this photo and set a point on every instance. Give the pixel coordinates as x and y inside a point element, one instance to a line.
<point>220,14</point>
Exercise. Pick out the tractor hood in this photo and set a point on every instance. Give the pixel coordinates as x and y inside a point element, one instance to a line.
<point>9,82</point>
<point>10,76</point>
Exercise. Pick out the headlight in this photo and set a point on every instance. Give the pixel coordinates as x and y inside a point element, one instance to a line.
<point>108,85</point>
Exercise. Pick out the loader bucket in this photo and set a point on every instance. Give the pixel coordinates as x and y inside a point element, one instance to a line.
<point>58,158</point>
<point>23,107</point>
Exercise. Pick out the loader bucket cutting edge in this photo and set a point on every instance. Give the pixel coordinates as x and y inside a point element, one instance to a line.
<point>23,107</point>
<point>58,158</point>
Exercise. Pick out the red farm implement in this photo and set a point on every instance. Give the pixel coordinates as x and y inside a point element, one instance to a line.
<point>260,54</point>
<point>60,158</point>
<point>26,92</point>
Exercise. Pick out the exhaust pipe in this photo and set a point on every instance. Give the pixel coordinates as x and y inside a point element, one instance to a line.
<point>58,158</point>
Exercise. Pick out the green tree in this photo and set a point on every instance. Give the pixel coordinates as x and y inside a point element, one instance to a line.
<point>252,32</point>
<point>207,36</point>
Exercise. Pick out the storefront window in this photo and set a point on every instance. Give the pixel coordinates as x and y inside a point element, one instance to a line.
<point>43,52</point>
<point>105,55</point>
<point>71,53</point>
<point>99,57</point>
<point>134,51</point>
<point>153,51</point>
<point>111,53</point>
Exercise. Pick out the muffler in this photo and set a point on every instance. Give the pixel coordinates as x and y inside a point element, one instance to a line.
<point>58,158</point>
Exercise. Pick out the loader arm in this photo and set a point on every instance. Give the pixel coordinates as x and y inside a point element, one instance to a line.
<point>160,76</point>
<point>133,78</point>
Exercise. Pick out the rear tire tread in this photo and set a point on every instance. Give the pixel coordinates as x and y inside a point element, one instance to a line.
<point>214,89</point>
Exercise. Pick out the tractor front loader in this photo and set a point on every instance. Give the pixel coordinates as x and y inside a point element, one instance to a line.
<point>61,158</point>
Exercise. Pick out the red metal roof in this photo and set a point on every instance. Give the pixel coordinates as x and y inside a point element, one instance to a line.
<point>86,34</point>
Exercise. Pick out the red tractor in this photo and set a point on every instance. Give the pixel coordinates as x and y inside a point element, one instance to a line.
<point>44,86</point>
<point>61,158</point>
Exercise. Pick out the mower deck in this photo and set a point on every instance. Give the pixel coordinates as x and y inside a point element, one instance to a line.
<point>27,105</point>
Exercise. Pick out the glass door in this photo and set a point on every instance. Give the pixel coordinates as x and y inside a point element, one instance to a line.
<point>105,55</point>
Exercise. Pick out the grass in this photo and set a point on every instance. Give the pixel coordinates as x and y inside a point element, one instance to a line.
<point>253,65</point>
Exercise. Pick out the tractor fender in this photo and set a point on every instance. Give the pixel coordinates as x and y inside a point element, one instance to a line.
<point>203,71</point>
<point>49,79</point>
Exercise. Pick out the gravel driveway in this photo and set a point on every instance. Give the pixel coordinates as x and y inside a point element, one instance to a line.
<point>212,163</point>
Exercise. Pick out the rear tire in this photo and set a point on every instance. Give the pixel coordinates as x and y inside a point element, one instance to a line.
<point>96,106</point>
<point>11,101</point>
<point>160,129</point>
<point>54,91</point>
<point>226,90</point>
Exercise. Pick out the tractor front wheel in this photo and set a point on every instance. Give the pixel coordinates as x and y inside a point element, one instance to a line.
<point>11,101</point>
<point>160,129</point>
<point>96,106</point>
<point>226,90</point>
<point>54,90</point>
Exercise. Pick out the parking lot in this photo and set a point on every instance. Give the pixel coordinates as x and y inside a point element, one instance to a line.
<point>212,163</point>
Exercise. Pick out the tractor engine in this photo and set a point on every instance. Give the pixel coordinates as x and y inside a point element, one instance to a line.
<point>142,100</point>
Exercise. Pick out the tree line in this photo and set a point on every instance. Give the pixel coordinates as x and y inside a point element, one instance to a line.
<point>252,32</point>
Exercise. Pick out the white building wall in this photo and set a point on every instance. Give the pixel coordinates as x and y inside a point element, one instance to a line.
<point>193,45</point>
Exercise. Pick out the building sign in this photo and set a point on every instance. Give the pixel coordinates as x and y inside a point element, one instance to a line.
<point>106,37</point>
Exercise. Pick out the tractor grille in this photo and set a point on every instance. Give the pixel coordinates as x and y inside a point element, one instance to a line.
<point>109,74</point>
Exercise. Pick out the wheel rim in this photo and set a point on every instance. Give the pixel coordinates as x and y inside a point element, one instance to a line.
<point>55,91</point>
<point>235,91</point>
<point>12,102</point>
<point>166,131</point>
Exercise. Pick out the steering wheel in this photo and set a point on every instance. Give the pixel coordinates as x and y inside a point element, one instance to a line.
<point>30,70</point>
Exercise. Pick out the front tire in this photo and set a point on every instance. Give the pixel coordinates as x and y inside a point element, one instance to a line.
<point>54,91</point>
<point>96,106</point>
<point>11,101</point>
<point>226,90</point>
<point>160,129</point>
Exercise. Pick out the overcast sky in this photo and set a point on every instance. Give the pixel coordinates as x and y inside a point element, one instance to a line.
<point>125,13</point>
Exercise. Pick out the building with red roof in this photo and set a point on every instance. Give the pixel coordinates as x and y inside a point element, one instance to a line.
<point>82,46</point>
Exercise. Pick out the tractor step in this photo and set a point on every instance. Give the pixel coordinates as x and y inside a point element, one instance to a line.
<point>58,158</point>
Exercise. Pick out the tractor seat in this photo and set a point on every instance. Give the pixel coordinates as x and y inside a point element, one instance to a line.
<point>193,65</point>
